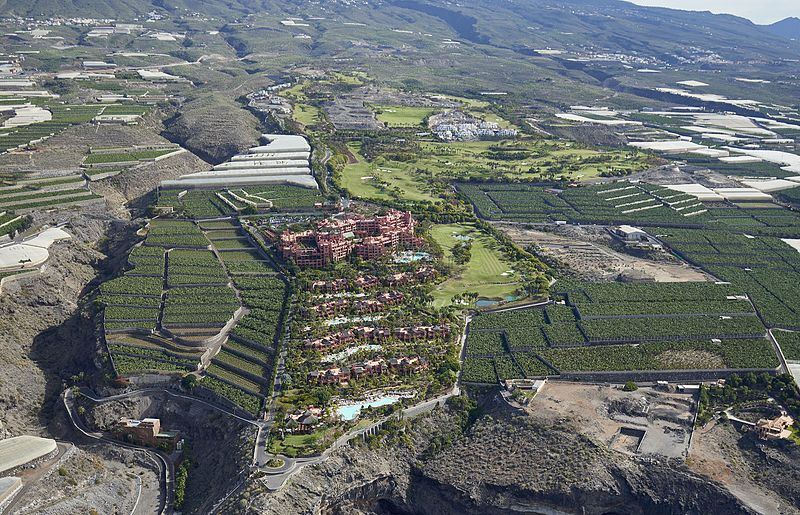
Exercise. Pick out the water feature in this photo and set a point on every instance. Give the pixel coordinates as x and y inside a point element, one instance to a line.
<point>349,352</point>
<point>351,411</point>
<point>408,257</point>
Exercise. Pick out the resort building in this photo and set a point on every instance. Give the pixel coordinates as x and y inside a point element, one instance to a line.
<point>335,239</point>
<point>303,421</point>
<point>363,333</point>
<point>374,367</point>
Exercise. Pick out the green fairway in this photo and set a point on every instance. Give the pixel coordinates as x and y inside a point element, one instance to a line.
<point>402,116</point>
<point>529,159</point>
<point>306,114</point>
<point>373,181</point>
<point>483,274</point>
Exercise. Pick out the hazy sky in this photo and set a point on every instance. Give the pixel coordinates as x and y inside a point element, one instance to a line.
<point>760,11</point>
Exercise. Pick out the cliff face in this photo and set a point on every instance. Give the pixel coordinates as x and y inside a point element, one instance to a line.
<point>501,467</point>
<point>658,491</point>
<point>220,448</point>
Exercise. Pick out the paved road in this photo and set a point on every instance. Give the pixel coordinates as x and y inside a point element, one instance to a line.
<point>166,468</point>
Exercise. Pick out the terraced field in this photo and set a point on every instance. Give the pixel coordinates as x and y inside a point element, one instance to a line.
<point>22,194</point>
<point>178,295</point>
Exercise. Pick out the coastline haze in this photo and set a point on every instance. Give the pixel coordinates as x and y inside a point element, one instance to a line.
<point>765,12</point>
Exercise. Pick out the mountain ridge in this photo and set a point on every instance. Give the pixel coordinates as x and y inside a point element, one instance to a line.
<point>788,28</point>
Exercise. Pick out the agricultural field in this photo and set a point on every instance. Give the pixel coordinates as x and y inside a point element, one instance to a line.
<point>604,327</point>
<point>103,157</point>
<point>178,295</point>
<point>790,344</point>
<point>284,197</point>
<point>23,194</point>
<point>487,272</point>
<point>603,204</point>
<point>764,267</point>
<point>63,116</point>
<point>194,204</point>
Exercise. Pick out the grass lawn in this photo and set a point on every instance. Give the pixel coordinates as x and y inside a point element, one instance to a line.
<point>297,445</point>
<point>306,114</point>
<point>465,159</point>
<point>484,272</point>
<point>362,179</point>
<point>402,116</point>
<point>461,160</point>
<point>467,102</point>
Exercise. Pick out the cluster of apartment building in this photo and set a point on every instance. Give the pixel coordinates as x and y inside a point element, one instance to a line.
<point>404,334</point>
<point>284,159</point>
<point>335,239</point>
<point>361,306</point>
<point>374,367</point>
<point>363,282</point>
<point>460,126</point>
<point>420,275</point>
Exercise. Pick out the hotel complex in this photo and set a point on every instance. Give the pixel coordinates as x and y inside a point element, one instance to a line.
<point>335,239</point>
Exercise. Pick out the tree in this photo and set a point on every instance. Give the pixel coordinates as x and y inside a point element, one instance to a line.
<point>630,386</point>
<point>188,382</point>
<point>323,396</point>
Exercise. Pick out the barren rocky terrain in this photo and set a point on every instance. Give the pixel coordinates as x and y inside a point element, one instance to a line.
<point>502,464</point>
<point>220,447</point>
<point>586,252</point>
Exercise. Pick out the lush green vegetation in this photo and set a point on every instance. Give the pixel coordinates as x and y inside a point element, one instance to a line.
<point>790,344</point>
<point>98,157</point>
<point>487,271</point>
<point>748,389</point>
<point>663,326</point>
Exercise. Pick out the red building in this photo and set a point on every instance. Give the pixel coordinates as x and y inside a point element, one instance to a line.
<point>335,239</point>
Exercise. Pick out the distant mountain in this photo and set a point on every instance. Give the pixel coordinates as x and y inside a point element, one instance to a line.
<point>788,28</point>
<point>600,26</point>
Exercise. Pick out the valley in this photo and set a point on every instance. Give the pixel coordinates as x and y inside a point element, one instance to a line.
<point>397,257</point>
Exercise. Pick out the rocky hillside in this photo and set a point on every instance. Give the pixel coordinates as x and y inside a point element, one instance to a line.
<point>502,464</point>
<point>219,447</point>
<point>213,127</point>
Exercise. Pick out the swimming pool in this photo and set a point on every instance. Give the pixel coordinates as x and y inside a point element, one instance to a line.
<point>351,411</point>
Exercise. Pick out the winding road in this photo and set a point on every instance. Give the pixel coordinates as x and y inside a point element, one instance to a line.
<point>165,466</point>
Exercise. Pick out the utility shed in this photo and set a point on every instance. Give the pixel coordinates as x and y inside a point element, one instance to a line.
<point>23,449</point>
<point>630,233</point>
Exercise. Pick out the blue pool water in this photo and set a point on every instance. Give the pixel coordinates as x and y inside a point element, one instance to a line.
<point>351,411</point>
